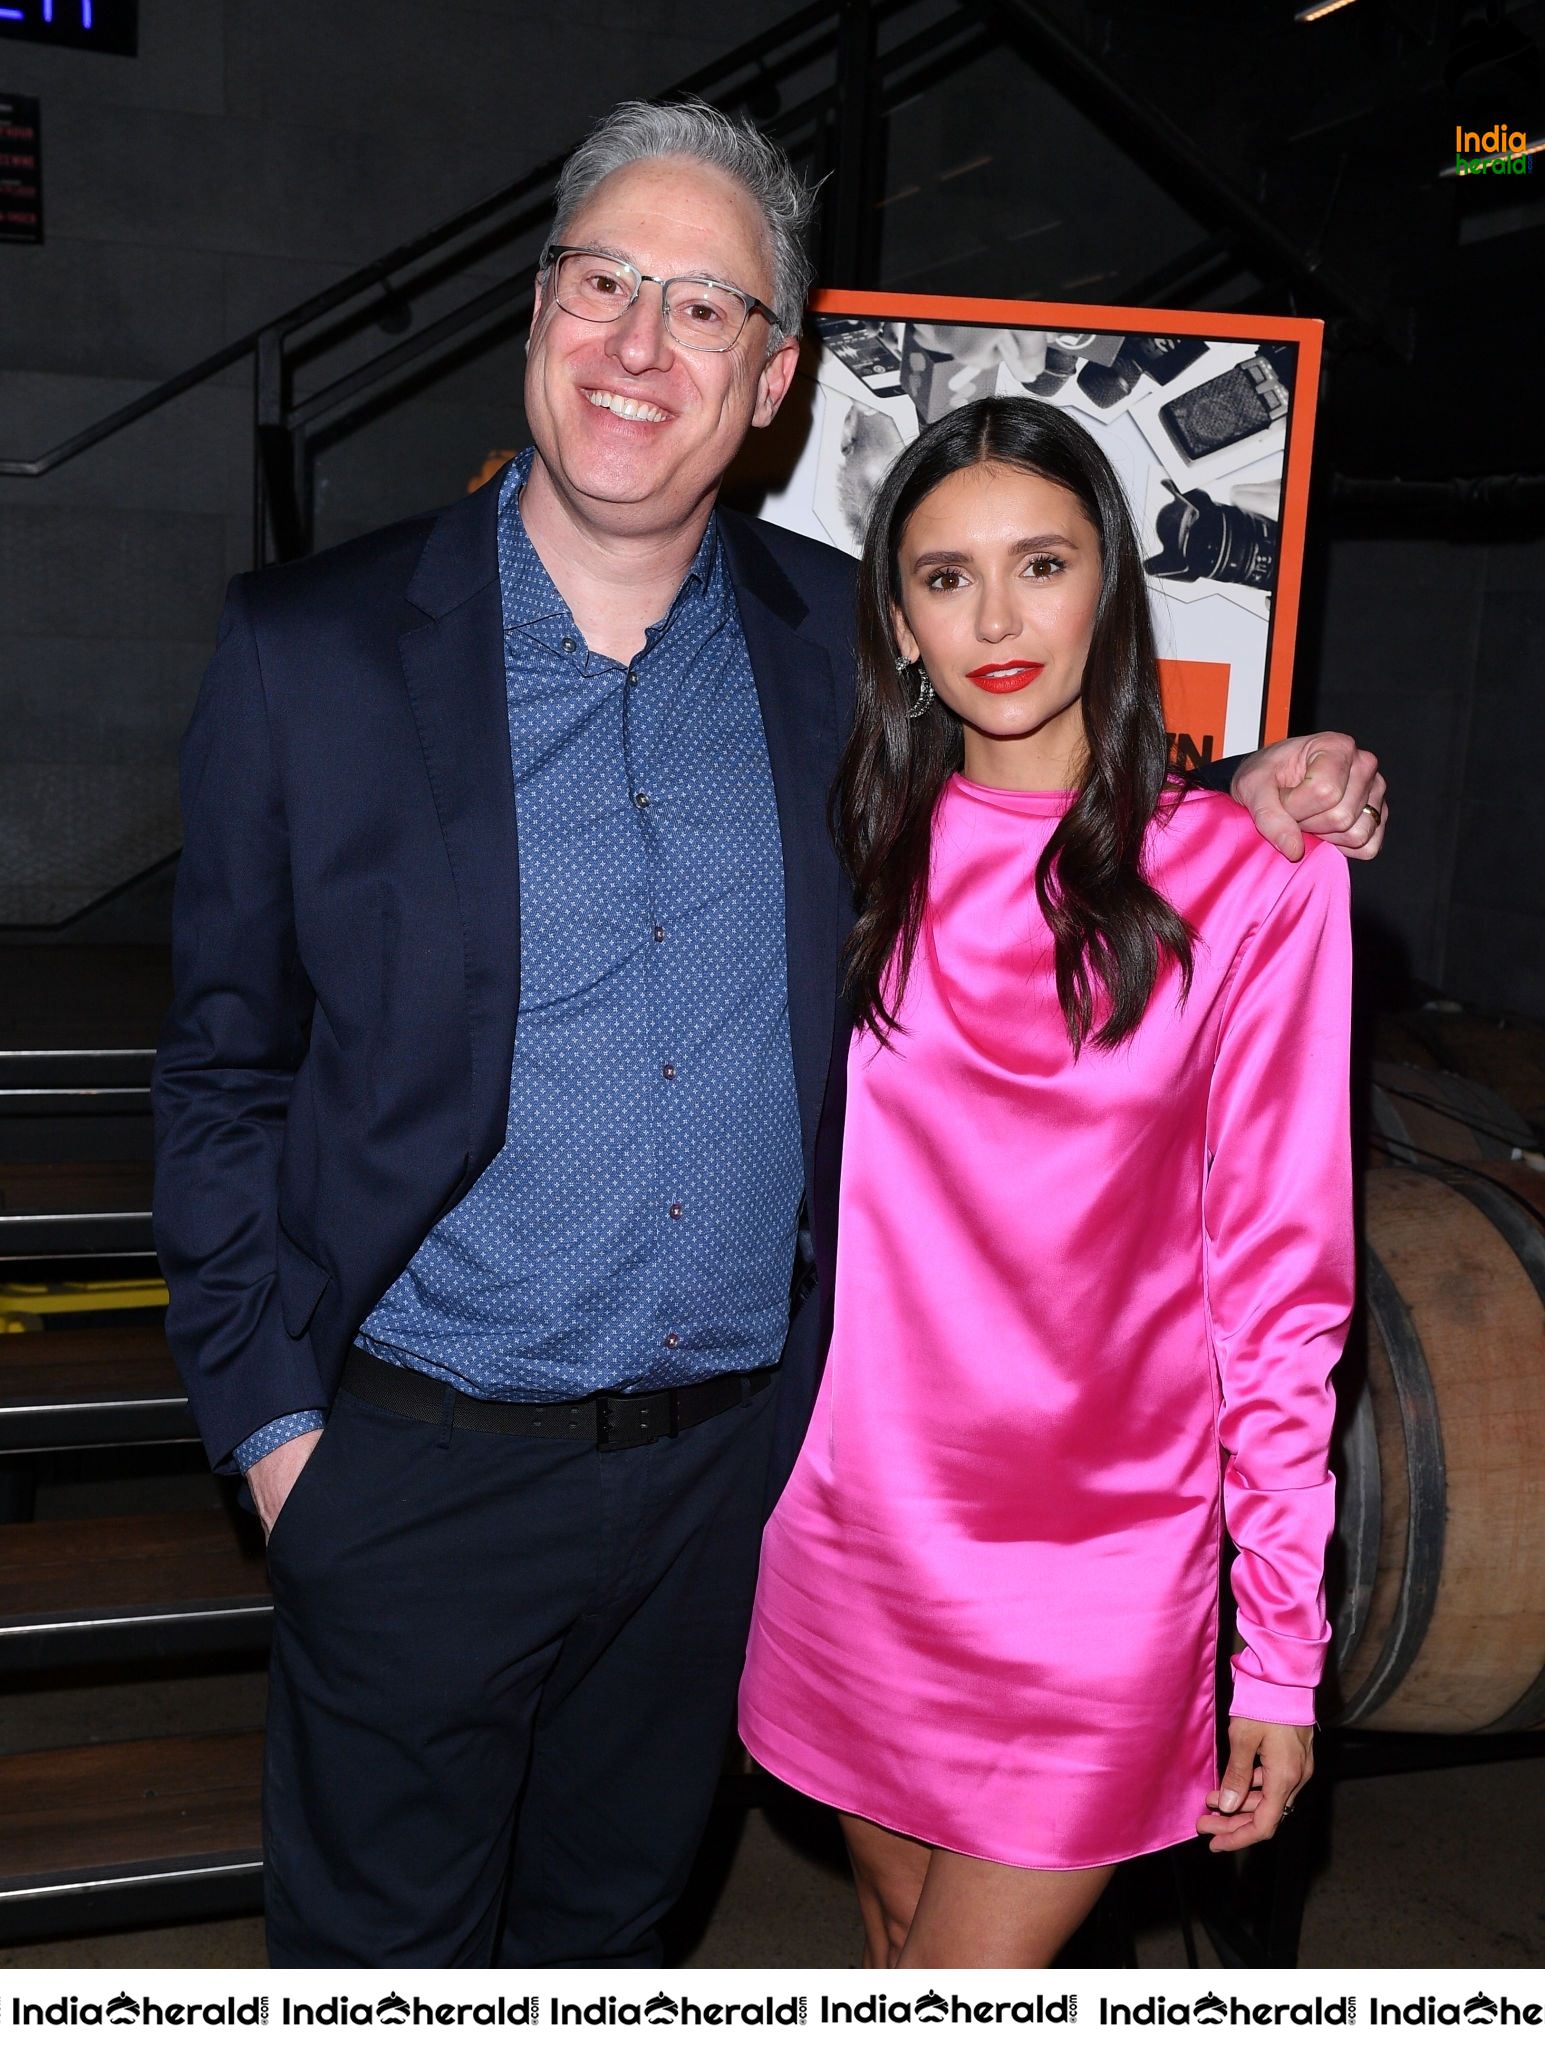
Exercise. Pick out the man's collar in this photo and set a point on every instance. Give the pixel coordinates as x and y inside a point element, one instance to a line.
<point>531,596</point>
<point>461,556</point>
<point>703,562</point>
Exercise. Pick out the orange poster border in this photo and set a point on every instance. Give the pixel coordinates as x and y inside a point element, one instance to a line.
<point>1282,633</point>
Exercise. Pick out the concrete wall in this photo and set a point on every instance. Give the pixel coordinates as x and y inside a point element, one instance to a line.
<point>1433,653</point>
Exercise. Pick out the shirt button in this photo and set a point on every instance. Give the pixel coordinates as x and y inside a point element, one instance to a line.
<point>659,933</point>
<point>641,798</point>
<point>674,1212</point>
<point>672,1342</point>
<point>668,1071</point>
<point>568,644</point>
<point>632,677</point>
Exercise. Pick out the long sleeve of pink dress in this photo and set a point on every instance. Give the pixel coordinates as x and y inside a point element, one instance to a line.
<point>1086,1311</point>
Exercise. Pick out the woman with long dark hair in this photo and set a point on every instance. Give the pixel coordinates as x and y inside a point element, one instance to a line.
<point>1094,1247</point>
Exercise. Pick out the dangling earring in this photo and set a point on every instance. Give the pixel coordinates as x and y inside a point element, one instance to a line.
<point>924,687</point>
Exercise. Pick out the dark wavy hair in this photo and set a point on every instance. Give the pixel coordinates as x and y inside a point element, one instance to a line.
<point>1111,928</point>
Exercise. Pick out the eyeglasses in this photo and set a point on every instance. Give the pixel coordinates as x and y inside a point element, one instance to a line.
<point>700,312</point>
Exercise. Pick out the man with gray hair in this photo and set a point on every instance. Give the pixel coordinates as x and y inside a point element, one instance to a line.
<point>496,1155</point>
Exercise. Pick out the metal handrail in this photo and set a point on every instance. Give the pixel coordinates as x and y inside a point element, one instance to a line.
<point>289,429</point>
<point>815,24</point>
<point>323,409</point>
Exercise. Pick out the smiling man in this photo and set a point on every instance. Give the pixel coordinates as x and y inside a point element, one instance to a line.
<point>496,1152</point>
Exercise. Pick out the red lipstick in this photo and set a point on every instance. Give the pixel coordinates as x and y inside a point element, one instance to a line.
<point>1003,677</point>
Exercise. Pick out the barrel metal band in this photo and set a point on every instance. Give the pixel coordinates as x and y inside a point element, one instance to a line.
<point>1519,1227</point>
<point>1419,1426</point>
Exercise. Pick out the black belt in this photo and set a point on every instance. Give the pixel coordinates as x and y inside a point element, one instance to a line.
<point>612,1422</point>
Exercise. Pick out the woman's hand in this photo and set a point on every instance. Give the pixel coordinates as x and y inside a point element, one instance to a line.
<point>1268,1766</point>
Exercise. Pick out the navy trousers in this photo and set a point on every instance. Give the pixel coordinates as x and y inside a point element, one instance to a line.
<point>503,1678</point>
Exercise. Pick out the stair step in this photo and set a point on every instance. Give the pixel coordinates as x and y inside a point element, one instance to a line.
<point>74,1389</point>
<point>105,1081</point>
<point>81,998</point>
<point>164,1829</point>
<point>120,1586</point>
<point>64,1208</point>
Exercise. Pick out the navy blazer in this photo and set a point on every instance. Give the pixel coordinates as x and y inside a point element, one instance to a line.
<point>334,1072</point>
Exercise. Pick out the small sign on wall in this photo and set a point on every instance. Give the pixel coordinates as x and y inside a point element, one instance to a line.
<point>21,170</point>
<point>108,25</point>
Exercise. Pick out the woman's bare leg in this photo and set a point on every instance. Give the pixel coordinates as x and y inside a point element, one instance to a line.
<point>888,1870</point>
<point>927,1908</point>
<point>975,1915</point>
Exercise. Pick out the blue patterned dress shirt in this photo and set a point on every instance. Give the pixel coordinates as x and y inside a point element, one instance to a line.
<point>637,1230</point>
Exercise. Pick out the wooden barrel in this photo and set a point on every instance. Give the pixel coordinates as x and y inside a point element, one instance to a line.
<point>1396,1038</point>
<point>1419,1117</point>
<point>1504,1053</point>
<point>1440,1551</point>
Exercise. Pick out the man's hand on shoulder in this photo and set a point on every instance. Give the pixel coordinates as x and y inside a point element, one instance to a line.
<point>1325,786</point>
<point>272,1476</point>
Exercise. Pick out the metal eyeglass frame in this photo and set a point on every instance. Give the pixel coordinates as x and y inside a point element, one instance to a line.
<point>751,303</point>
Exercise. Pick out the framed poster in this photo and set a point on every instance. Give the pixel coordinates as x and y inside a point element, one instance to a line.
<point>1207,419</point>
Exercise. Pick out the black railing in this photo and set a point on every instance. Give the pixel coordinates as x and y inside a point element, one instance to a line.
<point>827,55</point>
<point>822,82</point>
<point>287,427</point>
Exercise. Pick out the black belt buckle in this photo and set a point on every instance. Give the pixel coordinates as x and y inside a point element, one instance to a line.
<point>623,1421</point>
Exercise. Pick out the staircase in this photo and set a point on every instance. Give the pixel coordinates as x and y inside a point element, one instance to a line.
<point>124,1833</point>
<point>108,1576</point>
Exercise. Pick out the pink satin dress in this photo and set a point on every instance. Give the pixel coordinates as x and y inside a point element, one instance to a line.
<point>1086,1311</point>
